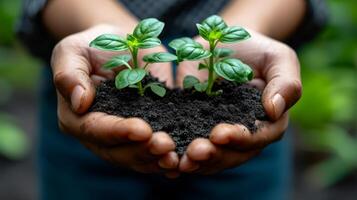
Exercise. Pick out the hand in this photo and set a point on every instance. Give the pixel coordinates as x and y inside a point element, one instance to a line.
<point>125,142</point>
<point>277,74</point>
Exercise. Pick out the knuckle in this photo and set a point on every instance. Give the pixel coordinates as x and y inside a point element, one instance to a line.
<point>296,87</point>
<point>60,78</point>
<point>86,127</point>
<point>62,126</point>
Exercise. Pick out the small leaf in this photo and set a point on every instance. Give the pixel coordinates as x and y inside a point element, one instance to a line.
<point>202,66</point>
<point>192,52</point>
<point>234,34</point>
<point>211,28</point>
<point>117,61</point>
<point>136,75</point>
<point>149,43</point>
<point>148,28</point>
<point>109,42</point>
<point>133,86</point>
<point>189,81</point>
<point>201,87</point>
<point>233,70</point>
<point>159,57</point>
<point>121,80</point>
<point>179,42</point>
<point>158,90</point>
<point>129,77</point>
<point>222,52</point>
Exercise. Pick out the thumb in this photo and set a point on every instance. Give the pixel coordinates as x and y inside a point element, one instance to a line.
<point>283,87</point>
<point>71,74</point>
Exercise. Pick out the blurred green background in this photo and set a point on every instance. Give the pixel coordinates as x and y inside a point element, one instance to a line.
<point>325,119</point>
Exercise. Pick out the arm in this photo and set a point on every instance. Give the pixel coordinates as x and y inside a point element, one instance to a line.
<point>64,17</point>
<point>277,19</point>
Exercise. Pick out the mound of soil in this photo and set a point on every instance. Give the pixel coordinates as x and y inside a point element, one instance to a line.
<point>184,114</point>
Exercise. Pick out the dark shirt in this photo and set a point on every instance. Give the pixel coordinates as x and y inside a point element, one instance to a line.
<point>180,17</point>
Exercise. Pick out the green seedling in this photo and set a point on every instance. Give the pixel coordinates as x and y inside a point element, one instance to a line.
<point>145,35</point>
<point>216,60</point>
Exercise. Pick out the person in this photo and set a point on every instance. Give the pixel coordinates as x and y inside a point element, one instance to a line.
<point>230,164</point>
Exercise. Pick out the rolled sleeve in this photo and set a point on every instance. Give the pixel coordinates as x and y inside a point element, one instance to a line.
<point>31,32</point>
<point>315,20</point>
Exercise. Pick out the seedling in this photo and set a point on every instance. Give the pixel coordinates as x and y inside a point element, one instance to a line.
<point>215,60</point>
<point>145,35</point>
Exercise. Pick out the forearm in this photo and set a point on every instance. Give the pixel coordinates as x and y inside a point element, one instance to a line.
<point>65,17</point>
<point>275,18</point>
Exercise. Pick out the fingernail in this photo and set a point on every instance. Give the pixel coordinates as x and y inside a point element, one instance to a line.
<point>190,166</point>
<point>194,166</point>
<point>76,97</point>
<point>279,105</point>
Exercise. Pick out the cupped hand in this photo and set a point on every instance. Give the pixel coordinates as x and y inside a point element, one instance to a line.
<point>126,142</point>
<point>277,74</point>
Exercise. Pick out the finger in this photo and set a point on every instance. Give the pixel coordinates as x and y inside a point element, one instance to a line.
<point>200,149</point>
<point>102,128</point>
<point>132,156</point>
<point>283,83</point>
<point>71,74</point>
<point>162,71</point>
<point>161,143</point>
<point>97,80</point>
<point>239,137</point>
<point>225,159</point>
<point>189,68</point>
<point>258,83</point>
<point>187,165</point>
<point>169,161</point>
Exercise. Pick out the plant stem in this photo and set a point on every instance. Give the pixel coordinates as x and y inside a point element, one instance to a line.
<point>211,77</point>
<point>134,53</point>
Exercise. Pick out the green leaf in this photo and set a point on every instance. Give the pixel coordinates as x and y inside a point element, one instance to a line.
<point>158,90</point>
<point>202,66</point>
<point>121,80</point>
<point>211,28</point>
<point>222,52</point>
<point>233,70</point>
<point>129,77</point>
<point>136,75</point>
<point>159,57</point>
<point>149,43</point>
<point>189,81</point>
<point>180,42</point>
<point>192,52</point>
<point>109,42</point>
<point>117,61</point>
<point>148,28</point>
<point>234,34</point>
<point>201,87</point>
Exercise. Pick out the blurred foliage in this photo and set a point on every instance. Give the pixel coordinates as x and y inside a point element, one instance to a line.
<point>13,143</point>
<point>327,111</point>
<point>17,71</point>
<point>17,68</point>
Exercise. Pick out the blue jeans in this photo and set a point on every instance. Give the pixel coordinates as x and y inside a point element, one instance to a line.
<point>69,171</point>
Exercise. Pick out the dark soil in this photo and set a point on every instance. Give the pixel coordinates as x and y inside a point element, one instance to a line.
<point>184,114</point>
